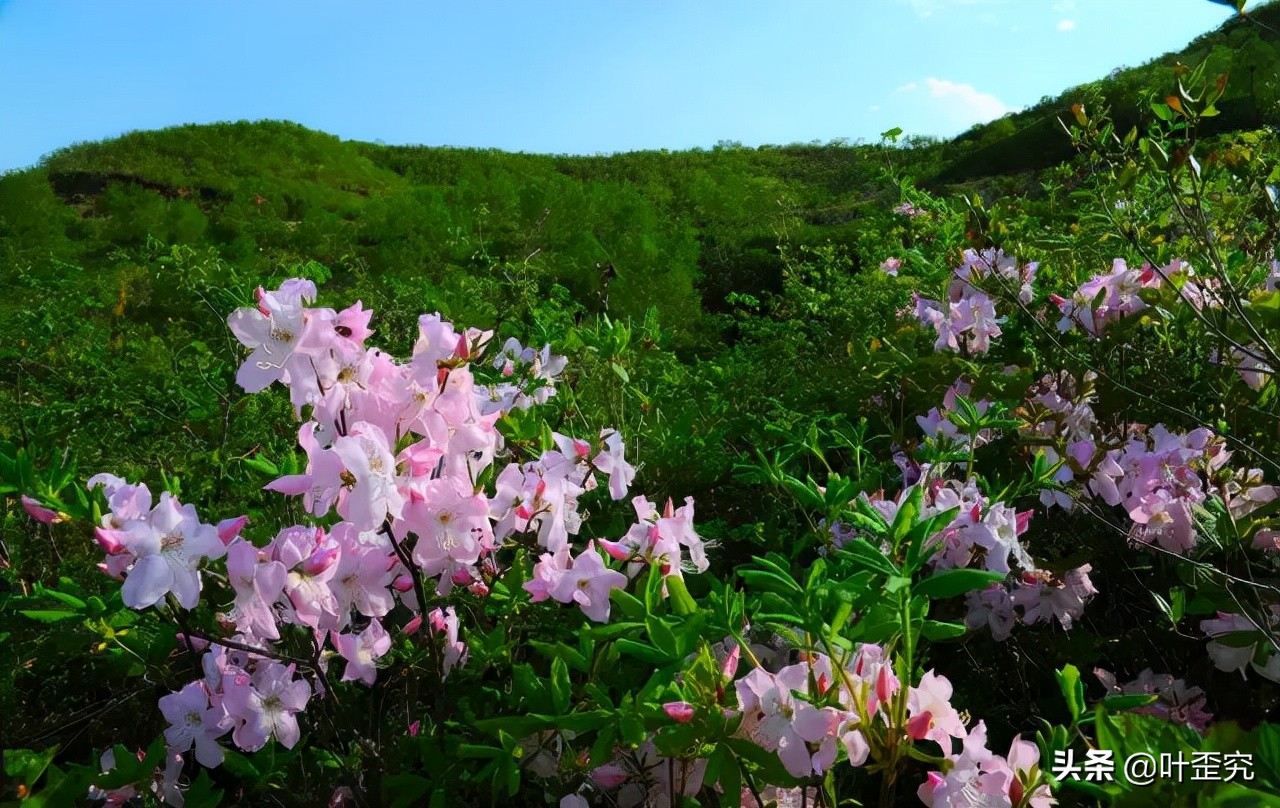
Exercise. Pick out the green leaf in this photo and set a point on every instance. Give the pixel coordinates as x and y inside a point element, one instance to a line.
<point>26,765</point>
<point>935,630</point>
<point>865,555</point>
<point>202,794</point>
<point>408,789</point>
<point>602,749</point>
<point>1239,639</point>
<point>561,689</point>
<point>630,605</point>
<point>731,781</point>
<point>950,583</point>
<point>640,650</point>
<point>1117,702</point>
<point>621,371</point>
<point>1072,690</point>
<point>48,615</point>
<point>62,597</point>
<point>682,602</point>
<point>262,465</point>
<point>661,635</point>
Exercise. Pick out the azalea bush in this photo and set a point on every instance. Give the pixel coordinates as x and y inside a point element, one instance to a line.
<point>452,591</point>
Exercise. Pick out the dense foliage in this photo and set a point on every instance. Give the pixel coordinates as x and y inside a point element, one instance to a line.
<point>921,465</point>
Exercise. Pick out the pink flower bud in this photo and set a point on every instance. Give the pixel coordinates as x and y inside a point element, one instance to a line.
<point>109,540</point>
<point>616,550</point>
<point>261,294</point>
<point>608,776</point>
<point>402,583</point>
<point>884,689</point>
<point>438,623</point>
<point>40,513</point>
<point>461,577</point>
<point>479,588</point>
<point>415,726</point>
<point>320,560</point>
<point>508,368</point>
<point>1024,521</point>
<point>918,726</point>
<point>229,529</point>
<point>730,665</point>
<point>679,711</point>
<point>413,625</point>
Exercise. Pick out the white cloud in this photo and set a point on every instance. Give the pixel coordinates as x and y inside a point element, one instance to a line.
<point>875,107</point>
<point>1067,25</point>
<point>965,99</point>
<point>1063,6</point>
<point>958,105</point>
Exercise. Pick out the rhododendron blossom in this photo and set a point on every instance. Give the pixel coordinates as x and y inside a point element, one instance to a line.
<point>395,452</point>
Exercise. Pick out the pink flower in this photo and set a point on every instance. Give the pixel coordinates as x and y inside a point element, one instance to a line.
<point>610,462</point>
<point>455,651</point>
<point>169,544</point>
<point>266,706</point>
<point>361,651</point>
<point>258,582</point>
<point>779,722</point>
<point>931,715</point>
<point>193,722</point>
<point>587,582</point>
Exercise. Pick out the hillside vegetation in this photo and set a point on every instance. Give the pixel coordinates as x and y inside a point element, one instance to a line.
<point>752,320</point>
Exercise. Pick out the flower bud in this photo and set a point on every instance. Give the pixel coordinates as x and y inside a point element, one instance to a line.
<point>616,550</point>
<point>679,711</point>
<point>730,665</point>
<point>40,513</point>
<point>109,540</point>
<point>461,577</point>
<point>438,623</point>
<point>320,560</point>
<point>884,687</point>
<point>918,726</point>
<point>229,529</point>
<point>608,776</point>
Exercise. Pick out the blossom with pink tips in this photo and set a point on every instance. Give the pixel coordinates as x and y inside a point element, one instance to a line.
<point>361,651</point>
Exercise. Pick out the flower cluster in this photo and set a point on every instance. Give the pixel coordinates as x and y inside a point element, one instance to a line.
<point>395,452</point>
<point>1175,700</point>
<point>968,316</point>
<point>977,776</point>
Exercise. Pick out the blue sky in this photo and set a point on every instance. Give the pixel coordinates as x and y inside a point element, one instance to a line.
<point>560,76</point>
